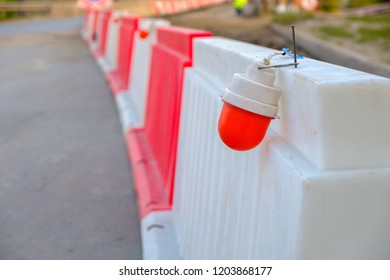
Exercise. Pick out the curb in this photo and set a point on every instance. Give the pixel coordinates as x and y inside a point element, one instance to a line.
<point>333,54</point>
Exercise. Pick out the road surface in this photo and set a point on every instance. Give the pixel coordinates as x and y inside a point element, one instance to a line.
<point>65,182</point>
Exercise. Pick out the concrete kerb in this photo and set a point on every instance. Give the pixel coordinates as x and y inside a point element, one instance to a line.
<point>332,53</point>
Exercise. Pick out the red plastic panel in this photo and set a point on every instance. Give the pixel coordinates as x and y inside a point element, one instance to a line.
<point>101,47</point>
<point>171,54</point>
<point>119,78</point>
<point>149,185</point>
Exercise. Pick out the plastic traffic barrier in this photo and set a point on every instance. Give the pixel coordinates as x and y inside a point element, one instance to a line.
<point>92,26</point>
<point>108,62</point>
<point>152,149</point>
<point>301,193</point>
<point>119,77</point>
<point>100,49</point>
<point>89,25</point>
<point>85,24</point>
<point>131,103</point>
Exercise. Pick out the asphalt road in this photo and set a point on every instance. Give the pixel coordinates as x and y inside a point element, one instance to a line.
<point>65,182</point>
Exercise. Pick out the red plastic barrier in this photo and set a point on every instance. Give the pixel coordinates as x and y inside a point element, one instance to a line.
<point>102,37</point>
<point>119,78</point>
<point>154,147</point>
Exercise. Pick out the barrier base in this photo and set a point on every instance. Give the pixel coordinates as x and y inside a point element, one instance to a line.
<point>115,82</point>
<point>148,182</point>
<point>158,237</point>
<point>104,65</point>
<point>96,54</point>
<point>128,113</point>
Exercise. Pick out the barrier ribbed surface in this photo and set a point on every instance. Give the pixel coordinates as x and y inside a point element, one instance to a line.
<point>119,78</point>
<point>102,36</point>
<point>217,190</point>
<point>170,55</point>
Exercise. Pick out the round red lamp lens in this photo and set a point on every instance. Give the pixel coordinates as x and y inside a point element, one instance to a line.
<point>143,34</point>
<point>241,130</point>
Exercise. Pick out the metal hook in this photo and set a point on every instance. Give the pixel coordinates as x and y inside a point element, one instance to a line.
<point>284,51</point>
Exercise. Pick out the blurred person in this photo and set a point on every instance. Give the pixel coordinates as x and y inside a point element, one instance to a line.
<point>238,6</point>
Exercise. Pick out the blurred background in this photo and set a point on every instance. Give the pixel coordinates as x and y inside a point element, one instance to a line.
<point>289,9</point>
<point>358,26</point>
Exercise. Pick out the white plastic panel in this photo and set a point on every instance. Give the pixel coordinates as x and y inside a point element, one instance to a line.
<point>307,213</point>
<point>99,27</point>
<point>109,61</point>
<point>278,201</point>
<point>87,32</point>
<point>336,117</point>
<point>132,102</point>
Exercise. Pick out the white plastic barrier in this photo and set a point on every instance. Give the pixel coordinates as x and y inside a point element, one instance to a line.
<point>87,32</point>
<point>109,61</point>
<point>317,187</point>
<point>99,26</point>
<point>132,102</point>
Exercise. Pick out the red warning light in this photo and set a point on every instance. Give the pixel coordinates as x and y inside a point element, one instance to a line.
<point>241,130</point>
<point>143,34</point>
<point>250,103</point>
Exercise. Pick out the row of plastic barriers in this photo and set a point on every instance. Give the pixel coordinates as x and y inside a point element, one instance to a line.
<point>167,7</point>
<point>318,186</point>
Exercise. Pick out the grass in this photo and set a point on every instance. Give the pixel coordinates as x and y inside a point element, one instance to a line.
<point>372,19</point>
<point>290,18</point>
<point>372,34</point>
<point>362,33</point>
<point>335,31</point>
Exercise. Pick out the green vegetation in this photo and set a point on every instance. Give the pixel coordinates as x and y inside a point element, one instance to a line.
<point>373,19</point>
<point>361,3</point>
<point>360,30</point>
<point>7,15</point>
<point>372,34</point>
<point>336,5</point>
<point>335,31</point>
<point>329,5</point>
<point>289,17</point>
